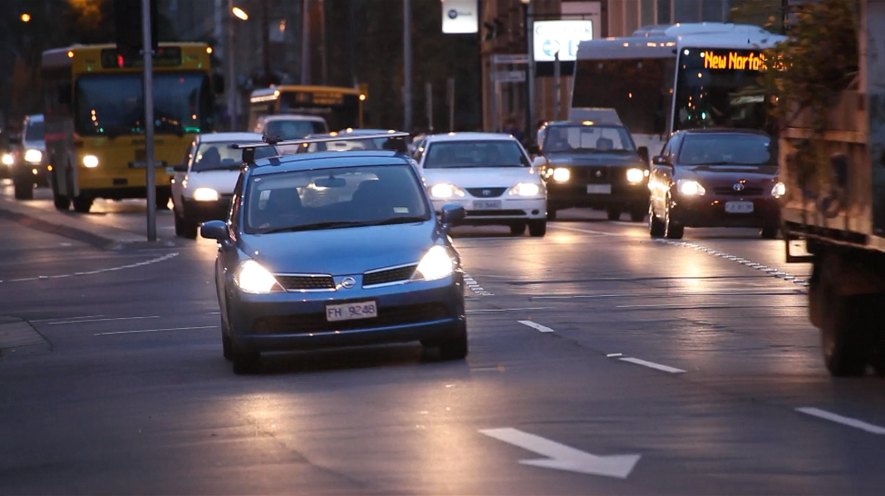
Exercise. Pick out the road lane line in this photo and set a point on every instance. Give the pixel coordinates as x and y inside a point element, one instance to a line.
<point>839,419</point>
<point>66,318</point>
<point>495,310</point>
<point>652,365</point>
<point>113,319</point>
<point>115,333</point>
<point>536,326</point>
<point>589,231</point>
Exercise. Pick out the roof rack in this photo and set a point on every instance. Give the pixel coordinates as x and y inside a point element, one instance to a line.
<point>249,148</point>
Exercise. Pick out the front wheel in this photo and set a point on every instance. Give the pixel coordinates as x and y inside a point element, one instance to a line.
<point>672,229</point>
<point>455,348</point>
<point>537,228</point>
<point>655,225</point>
<point>517,229</point>
<point>613,213</point>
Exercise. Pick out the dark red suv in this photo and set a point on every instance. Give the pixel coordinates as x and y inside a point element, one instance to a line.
<point>714,178</point>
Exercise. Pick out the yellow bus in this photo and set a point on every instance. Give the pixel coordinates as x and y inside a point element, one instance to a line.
<point>94,114</point>
<point>340,106</point>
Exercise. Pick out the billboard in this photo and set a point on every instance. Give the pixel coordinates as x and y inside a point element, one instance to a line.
<point>560,36</point>
<point>459,16</point>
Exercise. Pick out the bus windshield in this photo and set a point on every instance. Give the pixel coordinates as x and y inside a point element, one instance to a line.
<point>113,104</point>
<point>720,88</point>
<point>639,89</point>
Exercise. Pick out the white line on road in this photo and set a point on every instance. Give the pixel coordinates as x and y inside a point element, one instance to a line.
<point>589,231</point>
<point>79,318</point>
<point>850,422</point>
<point>495,310</point>
<point>154,330</point>
<point>652,365</point>
<point>536,326</point>
<point>114,319</point>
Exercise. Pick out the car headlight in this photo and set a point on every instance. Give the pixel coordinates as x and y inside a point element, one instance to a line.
<point>779,190</point>
<point>445,191</point>
<point>205,195</point>
<point>90,161</point>
<point>255,279</point>
<point>635,175</point>
<point>525,189</point>
<point>435,264</point>
<point>33,156</point>
<point>8,159</point>
<point>561,174</point>
<point>690,187</point>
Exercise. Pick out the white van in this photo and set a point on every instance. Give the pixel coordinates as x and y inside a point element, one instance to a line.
<point>290,126</point>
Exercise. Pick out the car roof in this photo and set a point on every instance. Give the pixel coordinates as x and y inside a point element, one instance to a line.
<point>229,137</point>
<point>328,160</point>
<point>468,136</point>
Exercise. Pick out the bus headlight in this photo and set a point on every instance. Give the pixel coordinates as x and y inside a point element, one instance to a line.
<point>690,187</point>
<point>445,191</point>
<point>779,190</point>
<point>524,189</point>
<point>635,175</point>
<point>33,156</point>
<point>205,195</point>
<point>561,175</point>
<point>90,161</point>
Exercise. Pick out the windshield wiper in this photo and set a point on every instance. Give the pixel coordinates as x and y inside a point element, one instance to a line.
<point>401,220</point>
<point>316,226</point>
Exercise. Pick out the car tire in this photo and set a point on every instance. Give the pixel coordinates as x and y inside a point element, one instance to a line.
<point>613,213</point>
<point>637,213</point>
<point>455,348</point>
<point>655,225</point>
<point>769,231</point>
<point>537,228</point>
<point>517,229</point>
<point>672,230</point>
<point>185,228</point>
<point>82,204</point>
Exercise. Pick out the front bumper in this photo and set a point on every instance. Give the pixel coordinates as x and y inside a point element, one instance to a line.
<point>415,311</point>
<point>711,212</point>
<point>596,194</point>
<point>484,211</point>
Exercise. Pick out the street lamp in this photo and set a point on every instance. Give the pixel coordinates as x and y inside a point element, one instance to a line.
<point>230,85</point>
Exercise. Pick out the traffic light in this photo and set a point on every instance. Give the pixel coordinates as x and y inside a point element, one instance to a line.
<point>127,23</point>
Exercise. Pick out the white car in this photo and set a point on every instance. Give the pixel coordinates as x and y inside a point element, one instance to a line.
<point>490,175</point>
<point>204,182</point>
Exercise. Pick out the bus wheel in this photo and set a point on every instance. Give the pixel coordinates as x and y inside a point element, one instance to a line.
<point>82,204</point>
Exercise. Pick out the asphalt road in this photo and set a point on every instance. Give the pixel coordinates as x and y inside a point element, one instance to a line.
<point>601,362</point>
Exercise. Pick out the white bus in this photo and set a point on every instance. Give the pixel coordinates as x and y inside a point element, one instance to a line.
<point>682,76</point>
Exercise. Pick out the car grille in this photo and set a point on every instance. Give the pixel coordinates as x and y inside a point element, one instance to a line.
<point>591,173</point>
<point>385,276</point>
<point>729,191</point>
<point>316,322</point>
<point>305,282</point>
<point>486,192</point>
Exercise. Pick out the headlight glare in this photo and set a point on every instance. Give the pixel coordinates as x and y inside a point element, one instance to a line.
<point>635,175</point>
<point>690,187</point>
<point>255,279</point>
<point>90,161</point>
<point>446,191</point>
<point>525,189</point>
<point>33,156</point>
<point>8,159</point>
<point>561,174</point>
<point>435,264</point>
<point>205,195</point>
<point>779,190</point>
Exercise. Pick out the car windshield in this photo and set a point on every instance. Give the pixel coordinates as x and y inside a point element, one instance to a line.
<point>34,132</point>
<point>726,149</point>
<point>334,198</point>
<point>586,138</point>
<point>460,154</point>
<point>218,156</point>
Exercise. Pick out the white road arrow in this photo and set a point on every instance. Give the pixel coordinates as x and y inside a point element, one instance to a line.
<point>562,457</point>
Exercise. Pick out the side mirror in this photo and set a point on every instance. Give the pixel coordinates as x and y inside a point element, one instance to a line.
<point>182,167</point>
<point>661,160</point>
<point>643,152</point>
<point>452,214</point>
<point>215,229</point>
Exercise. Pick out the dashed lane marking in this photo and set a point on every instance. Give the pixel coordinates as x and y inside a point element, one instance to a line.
<point>80,321</point>
<point>536,326</point>
<point>94,272</point>
<point>474,286</point>
<point>145,331</point>
<point>839,419</point>
<point>652,365</point>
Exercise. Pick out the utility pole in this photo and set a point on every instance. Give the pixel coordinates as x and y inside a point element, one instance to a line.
<point>305,41</point>
<point>147,53</point>
<point>407,65</point>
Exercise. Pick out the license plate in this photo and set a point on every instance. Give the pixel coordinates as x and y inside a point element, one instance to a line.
<point>739,207</point>
<point>599,189</point>
<point>352,311</point>
<point>486,204</point>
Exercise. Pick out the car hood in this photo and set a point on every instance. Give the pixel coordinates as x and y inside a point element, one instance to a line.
<point>594,158</point>
<point>345,251</point>
<point>222,181</point>
<point>481,177</point>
